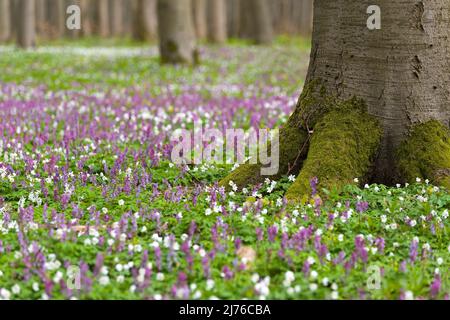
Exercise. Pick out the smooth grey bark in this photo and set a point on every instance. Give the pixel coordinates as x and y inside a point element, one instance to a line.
<point>176,32</point>
<point>401,71</point>
<point>26,33</point>
<point>217,21</point>
<point>145,20</point>
<point>199,16</point>
<point>5,20</point>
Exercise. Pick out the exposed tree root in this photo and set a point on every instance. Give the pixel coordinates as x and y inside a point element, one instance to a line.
<point>344,143</point>
<point>293,142</point>
<point>332,140</point>
<point>426,154</point>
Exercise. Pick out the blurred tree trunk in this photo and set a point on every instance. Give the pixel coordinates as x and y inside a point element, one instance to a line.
<point>285,21</point>
<point>233,17</point>
<point>200,19</point>
<point>117,18</point>
<point>145,20</point>
<point>26,32</point>
<point>5,20</point>
<point>257,21</point>
<point>41,19</point>
<point>176,32</point>
<point>13,14</point>
<point>217,21</point>
<point>103,18</point>
<point>86,17</point>
<point>57,14</point>
<point>128,17</point>
<point>306,17</point>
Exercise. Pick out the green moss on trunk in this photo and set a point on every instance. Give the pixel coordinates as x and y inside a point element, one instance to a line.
<point>425,154</point>
<point>343,145</point>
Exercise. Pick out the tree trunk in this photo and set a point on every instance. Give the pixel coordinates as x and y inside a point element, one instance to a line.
<point>5,20</point>
<point>257,21</point>
<point>217,21</point>
<point>26,32</point>
<point>103,18</point>
<point>199,15</point>
<point>176,32</point>
<point>401,71</point>
<point>86,17</point>
<point>57,19</point>
<point>401,75</point>
<point>234,19</point>
<point>41,19</point>
<point>117,18</point>
<point>145,20</point>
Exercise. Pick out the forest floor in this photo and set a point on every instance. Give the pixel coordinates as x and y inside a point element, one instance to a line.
<point>91,206</point>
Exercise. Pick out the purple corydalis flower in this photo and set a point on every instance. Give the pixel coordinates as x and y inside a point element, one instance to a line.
<point>362,206</point>
<point>313,183</point>
<point>435,287</point>
<point>98,264</point>
<point>380,243</point>
<point>272,233</point>
<point>306,268</point>
<point>413,251</point>
<point>227,273</point>
<point>259,234</point>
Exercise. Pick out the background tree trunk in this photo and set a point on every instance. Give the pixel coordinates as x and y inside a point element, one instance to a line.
<point>306,17</point>
<point>26,33</point>
<point>233,17</point>
<point>217,21</point>
<point>199,15</point>
<point>103,18</point>
<point>57,13</point>
<point>257,22</point>
<point>401,71</point>
<point>145,20</point>
<point>86,17</point>
<point>41,19</point>
<point>176,32</point>
<point>5,20</point>
<point>116,18</point>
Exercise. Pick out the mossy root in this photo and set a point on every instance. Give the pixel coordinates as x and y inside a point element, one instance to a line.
<point>343,146</point>
<point>425,154</point>
<point>293,141</point>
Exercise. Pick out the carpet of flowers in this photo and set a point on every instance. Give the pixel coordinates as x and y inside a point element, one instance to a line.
<point>86,184</point>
